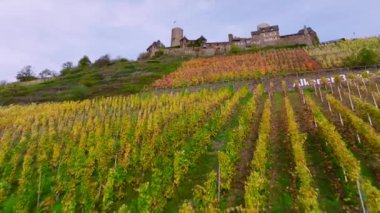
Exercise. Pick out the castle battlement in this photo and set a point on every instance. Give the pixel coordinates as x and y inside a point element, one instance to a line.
<point>265,35</point>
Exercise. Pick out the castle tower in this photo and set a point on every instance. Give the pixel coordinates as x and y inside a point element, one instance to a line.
<point>230,37</point>
<point>177,35</point>
<point>305,31</point>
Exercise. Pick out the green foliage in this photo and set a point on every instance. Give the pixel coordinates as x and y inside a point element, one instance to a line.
<point>84,62</point>
<point>259,91</point>
<point>337,79</point>
<point>307,194</point>
<point>158,54</point>
<point>206,197</point>
<point>186,207</point>
<point>118,77</point>
<point>66,68</point>
<point>363,108</point>
<point>90,80</point>
<point>256,187</point>
<point>78,92</point>
<point>11,90</point>
<point>362,128</point>
<point>108,197</point>
<point>235,49</point>
<point>26,74</point>
<point>353,52</point>
<point>235,139</point>
<point>334,139</point>
<point>103,61</point>
<point>132,88</point>
<point>344,156</point>
<point>365,57</point>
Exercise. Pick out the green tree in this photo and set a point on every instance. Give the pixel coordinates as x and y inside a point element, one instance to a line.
<point>103,61</point>
<point>66,68</point>
<point>365,57</point>
<point>84,62</point>
<point>46,73</point>
<point>26,74</point>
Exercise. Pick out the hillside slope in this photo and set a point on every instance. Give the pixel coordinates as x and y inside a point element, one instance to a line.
<point>122,77</point>
<point>119,77</point>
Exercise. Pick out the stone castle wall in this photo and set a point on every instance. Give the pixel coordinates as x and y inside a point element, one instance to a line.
<point>265,36</point>
<point>196,51</point>
<point>295,39</point>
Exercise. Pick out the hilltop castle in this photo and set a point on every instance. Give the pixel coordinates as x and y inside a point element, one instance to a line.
<point>266,35</point>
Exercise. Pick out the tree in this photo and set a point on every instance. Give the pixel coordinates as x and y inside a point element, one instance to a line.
<point>365,57</point>
<point>66,67</point>
<point>84,62</point>
<point>26,74</point>
<point>103,61</point>
<point>46,73</point>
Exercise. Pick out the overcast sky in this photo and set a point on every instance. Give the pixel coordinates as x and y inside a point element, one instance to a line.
<point>47,33</point>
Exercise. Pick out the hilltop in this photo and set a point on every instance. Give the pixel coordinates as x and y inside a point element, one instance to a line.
<point>123,77</point>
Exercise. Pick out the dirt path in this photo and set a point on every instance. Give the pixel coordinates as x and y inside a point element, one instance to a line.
<point>242,171</point>
<point>282,183</point>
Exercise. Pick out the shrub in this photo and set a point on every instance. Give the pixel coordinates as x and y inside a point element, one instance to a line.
<point>84,62</point>
<point>158,54</point>
<point>365,57</point>
<point>235,49</point>
<point>79,92</point>
<point>103,61</point>
<point>90,79</point>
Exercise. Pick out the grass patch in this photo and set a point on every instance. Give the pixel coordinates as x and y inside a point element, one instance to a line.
<point>117,78</point>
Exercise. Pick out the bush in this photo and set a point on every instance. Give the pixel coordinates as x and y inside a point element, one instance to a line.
<point>103,61</point>
<point>84,62</point>
<point>235,49</point>
<point>79,92</point>
<point>132,88</point>
<point>158,54</point>
<point>12,90</point>
<point>90,79</point>
<point>122,60</point>
<point>365,57</point>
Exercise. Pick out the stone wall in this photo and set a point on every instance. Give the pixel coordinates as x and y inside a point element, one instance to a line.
<point>265,36</point>
<point>198,51</point>
<point>295,39</point>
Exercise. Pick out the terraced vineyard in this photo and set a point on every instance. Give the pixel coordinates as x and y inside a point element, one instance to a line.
<point>232,149</point>
<point>333,55</point>
<point>246,66</point>
<point>275,62</point>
